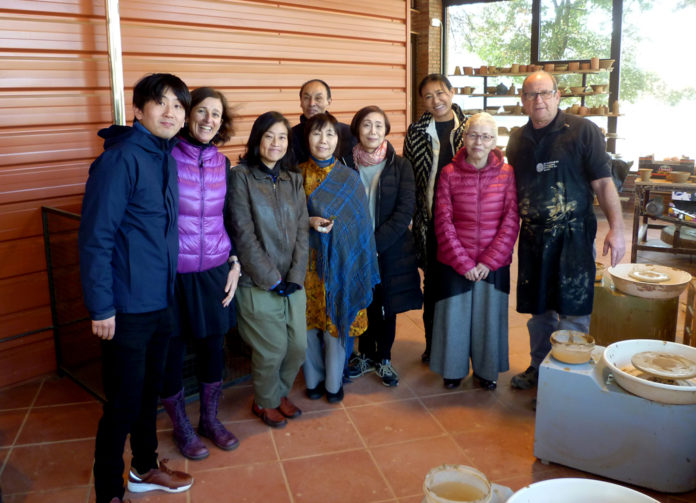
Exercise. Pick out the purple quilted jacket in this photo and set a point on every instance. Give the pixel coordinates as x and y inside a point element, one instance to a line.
<point>202,175</point>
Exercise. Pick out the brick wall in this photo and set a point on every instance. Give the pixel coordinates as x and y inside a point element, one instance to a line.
<point>428,41</point>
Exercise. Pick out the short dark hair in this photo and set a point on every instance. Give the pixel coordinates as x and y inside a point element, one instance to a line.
<point>152,87</point>
<point>226,125</point>
<point>364,112</point>
<point>328,89</point>
<point>319,121</point>
<point>263,123</point>
<point>434,77</point>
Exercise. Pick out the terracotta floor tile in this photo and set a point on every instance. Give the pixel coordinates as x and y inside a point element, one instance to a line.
<point>62,390</point>
<point>255,446</point>
<point>369,389</point>
<point>412,499</point>
<point>469,410</point>
<point>152,497</point>
<point>394,422</point>
<point>10,422</point>
<point>253,483</point>
<point>158,497</point>
<point>20,395</point>
<point>61,422</point>
<point>499,452</point>
<point>348,477</point>
<point>406,464</point>
<point>60,496</point>
<point>48,466</point>
<point>317,433</point>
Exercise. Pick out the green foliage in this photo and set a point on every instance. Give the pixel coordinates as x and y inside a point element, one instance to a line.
<point>500,34</point>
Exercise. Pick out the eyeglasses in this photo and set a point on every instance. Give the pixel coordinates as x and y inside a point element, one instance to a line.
<point>545,95</point>
<point>485,138</point>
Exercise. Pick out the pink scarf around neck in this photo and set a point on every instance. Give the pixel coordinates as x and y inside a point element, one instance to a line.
<point>364,158</point>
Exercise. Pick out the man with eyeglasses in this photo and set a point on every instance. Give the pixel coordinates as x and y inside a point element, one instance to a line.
<point>560,163</point>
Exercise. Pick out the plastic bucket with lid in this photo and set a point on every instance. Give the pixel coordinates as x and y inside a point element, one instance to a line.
<point>456,484</point>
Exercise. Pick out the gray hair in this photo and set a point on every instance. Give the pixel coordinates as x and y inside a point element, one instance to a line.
<point>482,118</point>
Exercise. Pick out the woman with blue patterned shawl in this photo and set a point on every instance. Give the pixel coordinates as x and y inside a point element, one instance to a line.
<point>342,260</point>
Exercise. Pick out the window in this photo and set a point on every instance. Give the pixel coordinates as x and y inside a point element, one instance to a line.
<point>574,29</point>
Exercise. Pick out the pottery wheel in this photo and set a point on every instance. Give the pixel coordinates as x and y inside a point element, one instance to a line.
<point>648,276</point>
<point>664,365</point>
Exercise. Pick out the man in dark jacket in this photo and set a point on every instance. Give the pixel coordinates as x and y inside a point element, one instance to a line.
<point>560,163</point>
<point>128,244</point>
<point>315,98</point>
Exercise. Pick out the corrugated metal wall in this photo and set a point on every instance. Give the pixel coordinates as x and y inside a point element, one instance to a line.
<point>54,97</point>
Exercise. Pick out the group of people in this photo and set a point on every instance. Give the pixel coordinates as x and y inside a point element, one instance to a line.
<point>317,235</point>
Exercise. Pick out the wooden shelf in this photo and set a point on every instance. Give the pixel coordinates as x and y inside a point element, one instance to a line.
<point>524,74</point>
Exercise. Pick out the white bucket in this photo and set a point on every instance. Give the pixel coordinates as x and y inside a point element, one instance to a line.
<point>456,484</point>
<point>572,490</point>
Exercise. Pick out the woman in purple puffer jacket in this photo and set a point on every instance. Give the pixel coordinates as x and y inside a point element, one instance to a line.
<point>207,272</point>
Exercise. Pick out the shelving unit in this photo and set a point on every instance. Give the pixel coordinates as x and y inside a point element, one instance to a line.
<point>641,220</point>
<point>459,81</point>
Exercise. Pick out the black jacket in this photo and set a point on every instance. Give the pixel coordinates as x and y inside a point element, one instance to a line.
<point>398,267</point>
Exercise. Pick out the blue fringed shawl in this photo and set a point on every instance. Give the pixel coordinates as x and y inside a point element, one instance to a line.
<point>346,256</point>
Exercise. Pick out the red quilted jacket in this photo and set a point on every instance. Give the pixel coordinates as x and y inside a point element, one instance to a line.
<point>476,217</point>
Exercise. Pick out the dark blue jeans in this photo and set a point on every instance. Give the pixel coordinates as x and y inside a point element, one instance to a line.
<point>132,371</point>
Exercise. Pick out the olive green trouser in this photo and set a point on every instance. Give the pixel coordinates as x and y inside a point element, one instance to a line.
<point>275,328</point>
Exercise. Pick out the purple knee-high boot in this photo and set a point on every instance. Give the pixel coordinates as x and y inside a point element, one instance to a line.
<point>185,436</point>
<point>209,426</point>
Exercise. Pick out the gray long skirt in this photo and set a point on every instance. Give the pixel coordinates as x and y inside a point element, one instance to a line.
<point>472,324</point>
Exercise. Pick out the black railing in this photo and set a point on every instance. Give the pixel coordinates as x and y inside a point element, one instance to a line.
<point>78,353</point>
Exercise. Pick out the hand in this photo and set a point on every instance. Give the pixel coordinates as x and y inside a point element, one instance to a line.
<point>231,284</point>
<point>321,224</point>
<point>482,270</point>
<point>291,288</point>
<point>104,329</point>
<point>471,274</point>
<point>280,288</point>
<point>617,243</point>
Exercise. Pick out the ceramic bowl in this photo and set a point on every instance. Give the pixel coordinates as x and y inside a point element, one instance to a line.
<point>618,356</point>
<point>571,346</point>
<point>606,63</point>
<point>678,176</point>
<point>452,483</point>
<point>673,287</point>
<point>561,68</point>
<point>599,88</point>
<point>577,89</point>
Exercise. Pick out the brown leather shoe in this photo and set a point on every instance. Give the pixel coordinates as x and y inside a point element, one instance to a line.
<point>159,479</point>
<point>289,409</point>
<point>272,417</point>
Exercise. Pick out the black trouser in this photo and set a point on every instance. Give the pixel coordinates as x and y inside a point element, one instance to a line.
<point>132,371</point>
<point>378,339</point>
<point>209,362</point>
<point>429,285</point>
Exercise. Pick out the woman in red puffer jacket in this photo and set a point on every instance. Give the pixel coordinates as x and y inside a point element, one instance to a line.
<point>476,224</point>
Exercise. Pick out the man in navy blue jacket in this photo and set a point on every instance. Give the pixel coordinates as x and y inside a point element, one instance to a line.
<point>128,243</point>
